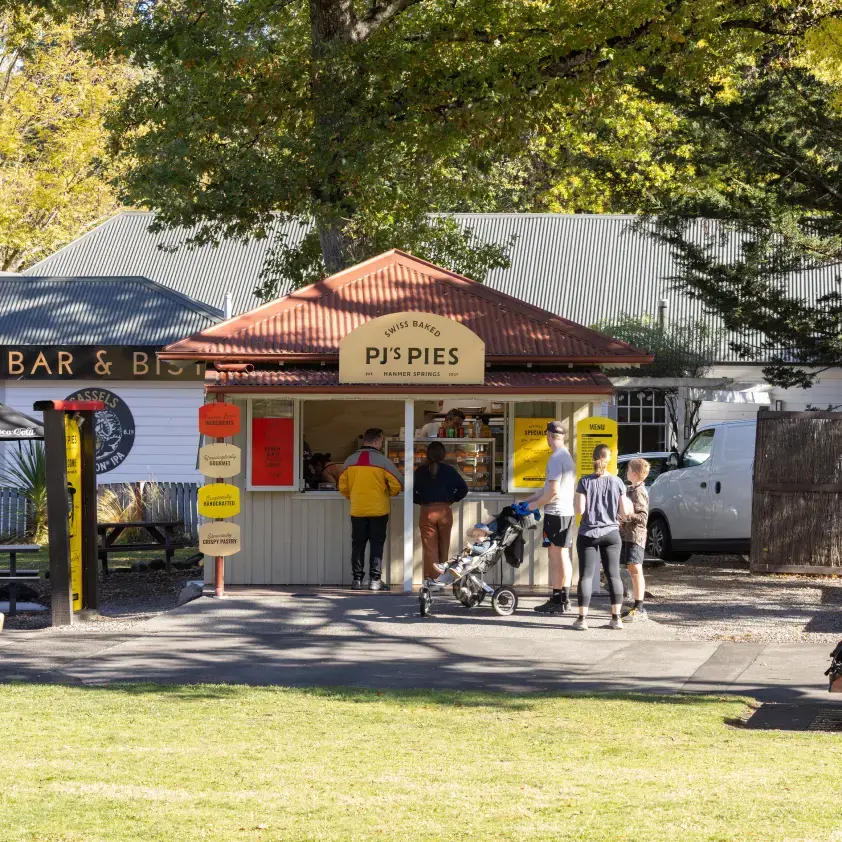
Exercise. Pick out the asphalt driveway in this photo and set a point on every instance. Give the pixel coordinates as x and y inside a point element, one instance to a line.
<point>324,638</point>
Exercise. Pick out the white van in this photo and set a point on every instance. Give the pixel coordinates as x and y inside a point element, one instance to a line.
<point>702,504</point>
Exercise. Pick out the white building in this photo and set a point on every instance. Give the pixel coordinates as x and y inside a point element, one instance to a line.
<point>60,337</point>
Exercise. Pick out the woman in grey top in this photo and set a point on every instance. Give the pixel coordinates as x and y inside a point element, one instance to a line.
<point>601,501</point>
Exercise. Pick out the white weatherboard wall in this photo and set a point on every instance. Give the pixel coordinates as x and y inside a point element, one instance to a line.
<point>166,417</point>
<point>826,391</point>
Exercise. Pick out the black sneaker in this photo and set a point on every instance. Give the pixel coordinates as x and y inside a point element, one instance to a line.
<point>357,585</point>
<point>552,607</point>
<point>377,585</point>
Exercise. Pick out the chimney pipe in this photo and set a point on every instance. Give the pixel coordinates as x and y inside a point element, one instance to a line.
<point>227,306</point>
<point>663,319</point>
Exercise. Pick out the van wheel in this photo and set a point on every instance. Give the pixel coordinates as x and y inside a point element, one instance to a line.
<point>659,541</point>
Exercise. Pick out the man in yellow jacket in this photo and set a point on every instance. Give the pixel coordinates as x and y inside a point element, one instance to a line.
<point>368,480</point>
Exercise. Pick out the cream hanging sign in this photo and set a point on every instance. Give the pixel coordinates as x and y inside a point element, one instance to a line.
<point>412,348</point>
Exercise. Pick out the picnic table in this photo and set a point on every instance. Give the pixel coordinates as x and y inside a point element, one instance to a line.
<point>161,534</point>
<point>12,575</point>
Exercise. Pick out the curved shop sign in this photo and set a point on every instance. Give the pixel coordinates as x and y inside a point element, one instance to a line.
<point>114,428</point>
<point>412,348</point>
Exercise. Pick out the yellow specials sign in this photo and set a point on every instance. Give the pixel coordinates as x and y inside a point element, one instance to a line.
<point>591,432</point>
<point>220,460</point>
<point>412,348</point>
<point>219,539</point>
<point>219,500</point>
<point>73,450</point>
<point>531,452</point>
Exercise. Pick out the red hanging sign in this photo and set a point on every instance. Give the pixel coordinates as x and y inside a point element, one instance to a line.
<point>272,452</point>
<point>219,419</point>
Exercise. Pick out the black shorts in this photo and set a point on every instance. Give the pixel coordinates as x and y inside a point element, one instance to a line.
<point>631,553</point>
<point>559,530</point>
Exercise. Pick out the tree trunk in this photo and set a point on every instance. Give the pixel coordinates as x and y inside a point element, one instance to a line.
<point>331,27</point>
<point>334,245</point>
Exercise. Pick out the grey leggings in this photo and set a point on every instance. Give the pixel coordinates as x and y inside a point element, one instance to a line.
<point>591,550</point>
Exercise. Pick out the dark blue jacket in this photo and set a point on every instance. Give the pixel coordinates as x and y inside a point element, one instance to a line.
<point>447,487</point>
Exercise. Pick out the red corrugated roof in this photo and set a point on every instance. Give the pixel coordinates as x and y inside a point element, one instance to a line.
<point>309,323</point>
<point>319,379</point>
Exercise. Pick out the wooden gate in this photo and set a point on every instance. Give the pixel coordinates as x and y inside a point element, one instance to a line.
<point>796,524</point>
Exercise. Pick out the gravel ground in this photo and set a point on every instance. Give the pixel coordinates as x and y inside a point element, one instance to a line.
<point>126,600</point>
<point>716,598</point>
<point>706,598</point>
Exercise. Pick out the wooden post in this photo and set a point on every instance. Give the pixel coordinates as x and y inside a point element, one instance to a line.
<point>57,512</point>
<point>90,556</point>
<point>219,561</point>
<point>408,488</point>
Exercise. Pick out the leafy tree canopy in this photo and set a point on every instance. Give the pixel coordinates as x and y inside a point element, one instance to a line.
<point>365,116</point>
<point>681,349</point>
<point>767,147</point>
<point>53,182</point>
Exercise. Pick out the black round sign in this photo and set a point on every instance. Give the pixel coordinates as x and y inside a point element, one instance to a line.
<point>114,428</point>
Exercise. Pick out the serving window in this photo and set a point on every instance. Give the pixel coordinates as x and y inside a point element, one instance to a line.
<point>301,445</point>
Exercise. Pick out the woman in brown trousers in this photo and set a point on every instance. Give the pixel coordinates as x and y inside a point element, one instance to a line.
<point>437,487</point>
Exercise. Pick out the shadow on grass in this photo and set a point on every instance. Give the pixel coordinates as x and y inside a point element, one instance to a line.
<point>439,698</point>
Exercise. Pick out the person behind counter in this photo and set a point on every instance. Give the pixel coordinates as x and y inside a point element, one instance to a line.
<point>368,480</point>
<point>454,419</point>
<point>437,487</point>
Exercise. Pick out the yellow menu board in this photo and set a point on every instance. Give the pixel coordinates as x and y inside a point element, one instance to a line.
<point>531,452</point>
<point>73,449</point>
<point>589,433</point>
<point>219,500</point>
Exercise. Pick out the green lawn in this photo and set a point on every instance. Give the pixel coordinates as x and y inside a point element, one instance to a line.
<point>225,763</point>
<point>40,561</point>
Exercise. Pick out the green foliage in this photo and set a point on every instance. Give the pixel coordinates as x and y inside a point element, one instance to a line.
<point>438,240</point>
<point>767,148</point>
<point>26,470</point>
<point>364,117</point>
<point>52,97</point>
<point>681,349</point>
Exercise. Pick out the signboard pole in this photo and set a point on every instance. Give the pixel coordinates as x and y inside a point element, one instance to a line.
<point>71,505</point>
<point>90,557</point>
<point>57,510</point>
<point>219,562</point>
<point>408,505</point>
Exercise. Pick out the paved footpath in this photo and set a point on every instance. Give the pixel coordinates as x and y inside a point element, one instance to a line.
<point>378,640</point>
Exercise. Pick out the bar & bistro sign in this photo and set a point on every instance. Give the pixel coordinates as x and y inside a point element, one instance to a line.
<point>412,348</point>
<point>93,362</point>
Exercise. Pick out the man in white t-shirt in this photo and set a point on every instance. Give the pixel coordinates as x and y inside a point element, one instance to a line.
<point>556,497</point>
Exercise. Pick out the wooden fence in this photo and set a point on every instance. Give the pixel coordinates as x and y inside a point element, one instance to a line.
<point>797,505</point>
<point>161,501</point>
<point>12,514</point>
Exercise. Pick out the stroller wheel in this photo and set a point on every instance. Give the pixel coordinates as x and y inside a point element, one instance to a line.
<point>425,600</point>
<point>504,601</point>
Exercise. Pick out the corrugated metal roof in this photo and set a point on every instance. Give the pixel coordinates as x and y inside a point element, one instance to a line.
<point>96,311</point>
<point>313,321</point>
<point>583,267</point>
<point>591,382</point>
<point>123,245</point>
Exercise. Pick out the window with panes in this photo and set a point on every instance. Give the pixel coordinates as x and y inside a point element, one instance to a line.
<point>641,420</point>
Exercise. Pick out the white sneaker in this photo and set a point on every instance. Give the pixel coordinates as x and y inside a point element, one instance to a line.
<point>615,623</point>
<point>581,624</point>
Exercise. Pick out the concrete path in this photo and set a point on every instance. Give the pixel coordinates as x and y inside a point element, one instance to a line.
<point>378,640</point>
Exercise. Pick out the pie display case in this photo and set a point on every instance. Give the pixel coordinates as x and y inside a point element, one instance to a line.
<point>473,458</point>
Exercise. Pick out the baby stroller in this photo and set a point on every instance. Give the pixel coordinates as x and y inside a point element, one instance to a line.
<point>468,585</point>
